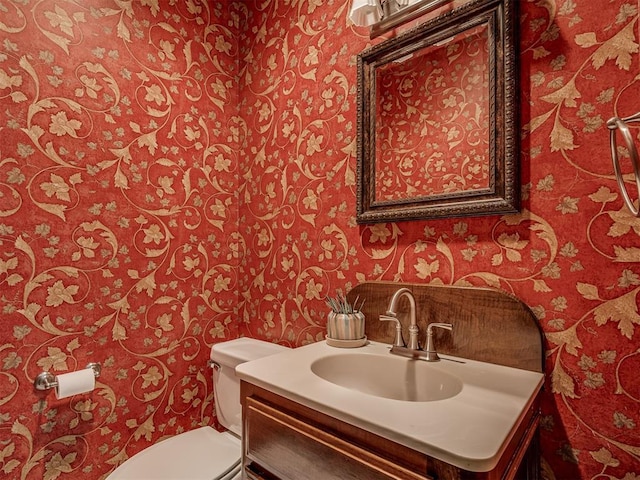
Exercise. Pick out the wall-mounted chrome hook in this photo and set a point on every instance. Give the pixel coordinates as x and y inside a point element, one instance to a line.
<point>620,124</point>
<point>47,380</point>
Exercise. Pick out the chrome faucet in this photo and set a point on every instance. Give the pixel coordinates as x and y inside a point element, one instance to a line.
<point>413,349</point>
<point>413,324</point>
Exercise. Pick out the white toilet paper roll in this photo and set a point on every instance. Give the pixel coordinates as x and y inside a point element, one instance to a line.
<point>73,383</point>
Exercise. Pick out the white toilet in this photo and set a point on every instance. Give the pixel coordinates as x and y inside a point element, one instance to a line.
<point>204,453</point>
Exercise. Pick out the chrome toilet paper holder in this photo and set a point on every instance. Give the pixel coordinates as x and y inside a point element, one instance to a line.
<point>47,380</point>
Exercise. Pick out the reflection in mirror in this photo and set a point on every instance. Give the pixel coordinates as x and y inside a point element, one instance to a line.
<point>437,122</point>
<point>432,120</point>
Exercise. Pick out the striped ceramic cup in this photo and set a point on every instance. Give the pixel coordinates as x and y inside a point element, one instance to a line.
<point>345,326</point>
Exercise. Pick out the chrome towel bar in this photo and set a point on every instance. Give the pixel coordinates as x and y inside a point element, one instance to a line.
<point>614,124</point>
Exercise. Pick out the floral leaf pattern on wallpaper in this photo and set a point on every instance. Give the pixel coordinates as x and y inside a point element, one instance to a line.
<point>579,67</point>
<point>176,173</point>
<point>118,180</point>
<point>432,120</point>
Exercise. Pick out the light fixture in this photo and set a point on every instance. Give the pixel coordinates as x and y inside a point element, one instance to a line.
<point>365,13</point>
<point>384,15</point>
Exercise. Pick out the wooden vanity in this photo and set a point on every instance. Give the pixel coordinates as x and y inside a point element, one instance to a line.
<point>286,440</point>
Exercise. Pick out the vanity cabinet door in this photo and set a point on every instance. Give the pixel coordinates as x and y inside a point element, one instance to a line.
<point>279,444</point>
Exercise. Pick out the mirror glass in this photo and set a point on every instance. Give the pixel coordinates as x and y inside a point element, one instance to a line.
<point>436,122</point>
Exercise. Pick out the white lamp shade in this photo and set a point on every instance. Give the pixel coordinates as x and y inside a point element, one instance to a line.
<point>365,12</point>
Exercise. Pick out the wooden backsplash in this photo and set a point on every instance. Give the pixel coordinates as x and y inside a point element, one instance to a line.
<point>489,325</point>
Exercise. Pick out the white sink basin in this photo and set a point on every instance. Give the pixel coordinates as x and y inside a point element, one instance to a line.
<point>457,410</point>
<point>388,376</point>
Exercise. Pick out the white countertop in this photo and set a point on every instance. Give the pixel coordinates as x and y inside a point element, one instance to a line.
<point>469,430</point>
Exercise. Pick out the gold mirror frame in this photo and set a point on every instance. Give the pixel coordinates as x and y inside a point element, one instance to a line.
<point>502,195</point>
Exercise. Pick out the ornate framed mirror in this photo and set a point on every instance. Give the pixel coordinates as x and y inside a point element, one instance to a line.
<point>437,118</point>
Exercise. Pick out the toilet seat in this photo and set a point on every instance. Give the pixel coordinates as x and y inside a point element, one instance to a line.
<point>200,454</point>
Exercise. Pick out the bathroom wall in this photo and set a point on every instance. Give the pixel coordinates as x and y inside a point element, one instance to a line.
<point>119,134</point>
<point>573,254</point>
<point>139,207</point>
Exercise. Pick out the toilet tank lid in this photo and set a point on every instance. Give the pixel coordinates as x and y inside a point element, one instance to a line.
<point>239,350</point>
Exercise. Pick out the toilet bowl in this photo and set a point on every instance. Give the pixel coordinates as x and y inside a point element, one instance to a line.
<point>204,453</point>
<point>200,454</point>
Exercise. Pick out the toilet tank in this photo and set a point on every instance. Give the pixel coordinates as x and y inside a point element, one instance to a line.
<point>226,386</point>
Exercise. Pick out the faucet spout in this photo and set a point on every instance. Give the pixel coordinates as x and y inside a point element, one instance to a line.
<point>413,325</point>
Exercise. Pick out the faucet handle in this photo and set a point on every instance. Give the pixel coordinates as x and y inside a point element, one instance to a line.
<point>390,317</point>
<point>430,353</point>
<point>446,326</point>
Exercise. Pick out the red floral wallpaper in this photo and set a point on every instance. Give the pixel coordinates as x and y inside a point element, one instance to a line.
<point>119,134</point>
<point>431,126</point>
<point>177,173</point>
<point>573,254</point>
